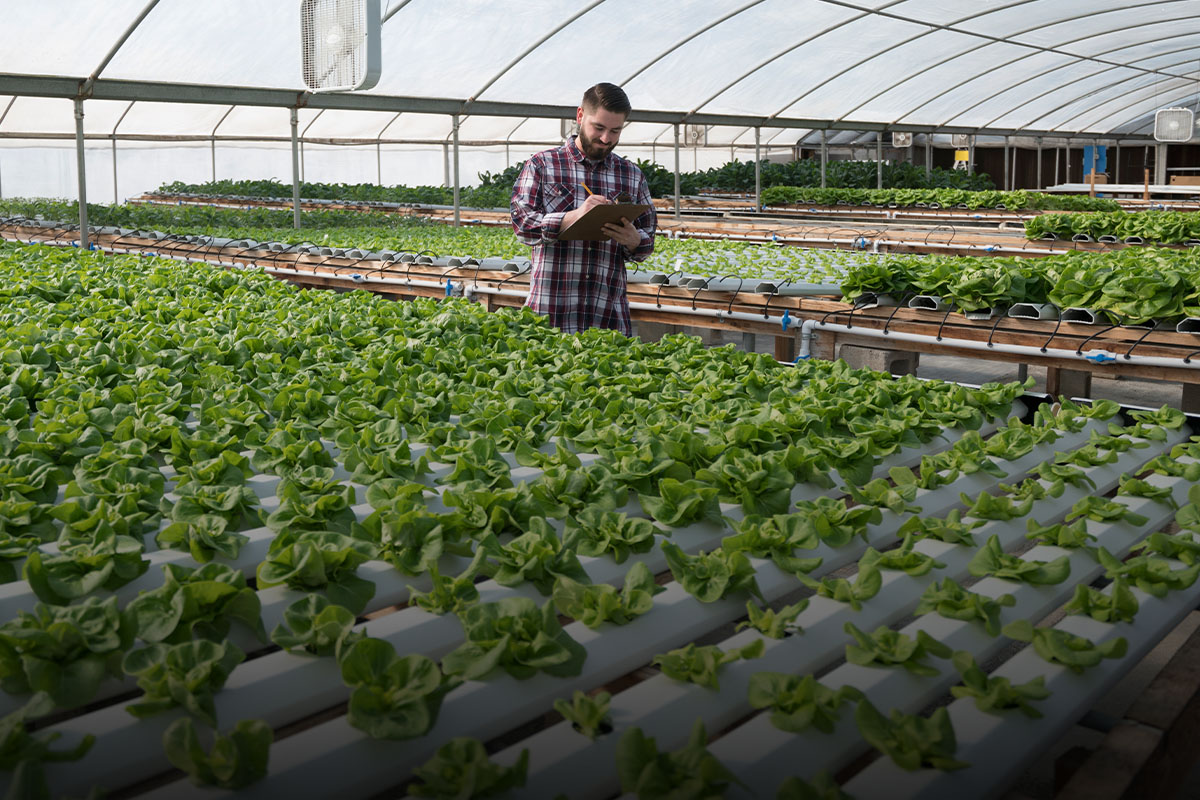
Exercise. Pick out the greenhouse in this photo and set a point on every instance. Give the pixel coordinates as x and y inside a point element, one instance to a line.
<point>768,398</point>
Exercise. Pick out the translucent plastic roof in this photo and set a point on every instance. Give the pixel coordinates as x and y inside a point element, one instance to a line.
<point>511,70</point>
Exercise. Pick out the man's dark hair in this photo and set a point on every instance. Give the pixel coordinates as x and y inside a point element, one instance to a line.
<point>608,96</point>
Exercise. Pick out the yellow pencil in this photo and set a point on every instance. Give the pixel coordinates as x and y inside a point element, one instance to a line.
<point>584,185</point>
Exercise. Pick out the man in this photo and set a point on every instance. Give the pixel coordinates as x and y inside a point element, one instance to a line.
<point>580,284</point>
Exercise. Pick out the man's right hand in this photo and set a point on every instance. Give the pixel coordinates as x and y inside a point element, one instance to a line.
<point>593,200</point>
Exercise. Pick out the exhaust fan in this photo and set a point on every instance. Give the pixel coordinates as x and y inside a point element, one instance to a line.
<point>1173,125</point>
<point>961,141</point>
<point>339,42</point>
<point>695,135</point>
<point>901,139</point>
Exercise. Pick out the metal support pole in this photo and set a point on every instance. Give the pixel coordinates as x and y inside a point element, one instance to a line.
<point>676,170</point>
<point>928,155</point>
<point>446,163</point>
<point>302,164</point>
<point>457,211</point>
<point>757,171</point>
<point>879,160</point>
<point>214,159</point>
<point>1117,165</point>
<point>1160,164</point>
<point>971,156</point>
<point>824,156</point>
<point>507,157</point>
<point>114,152</point>
<point>378,164</point>
<point>1057,153</point>
<point>1004,183</point>
<point>295,168</point>
<point>81,171</point>
<point>1095,147</point>
<point>1067,164</point>
<point>1037,182</point>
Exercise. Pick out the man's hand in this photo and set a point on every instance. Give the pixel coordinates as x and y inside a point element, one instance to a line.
<point>593,200</point>
<point>624,234</point>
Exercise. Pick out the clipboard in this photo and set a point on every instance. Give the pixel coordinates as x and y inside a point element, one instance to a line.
<point>587,228</point>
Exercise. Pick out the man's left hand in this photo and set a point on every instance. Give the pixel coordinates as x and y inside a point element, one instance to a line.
<point>624,234</point>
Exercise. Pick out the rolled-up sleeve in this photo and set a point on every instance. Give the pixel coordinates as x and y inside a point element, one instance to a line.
<point>646,224</point>
<point>532,224</point>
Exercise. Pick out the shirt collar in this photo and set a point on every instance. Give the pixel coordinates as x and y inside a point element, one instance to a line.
<point>577,154</point>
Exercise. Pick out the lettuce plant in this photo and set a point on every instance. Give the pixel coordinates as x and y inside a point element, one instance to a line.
<point>105,560</point>
<point>595,604</point>
<point>991,560</point>
<point>700,665</point>
<point>65,651</point>
<point>774,624</point>
<point>891,648</point>
<point>595,532</point>
<point>799,701</point>
<point>515,635</point>
<point>461,769</point>
<point>912,742</point>
<point>186,675</point>
<point>23,753</point>
<point>537,557</point>
<point>395,697</point>
<point>1056,646</point>
<point>710,576</point>
<point>690,772</point>
<point>320,560</point>
<point>680,503</point>
<point>950,600</point>
<point>234,761</point>
<point>1118,605</point>
<point>195,603</point>
<point>588,714</point>
<point>317,627</point>
<point>993,693</point>
<point>866,584</point>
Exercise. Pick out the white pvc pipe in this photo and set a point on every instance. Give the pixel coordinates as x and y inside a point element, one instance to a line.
<point>808,325</point>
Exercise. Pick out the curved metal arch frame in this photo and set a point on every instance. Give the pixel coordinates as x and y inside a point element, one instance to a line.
<point>85,86</point>
<point>685,40</point>
<point>557,29</point>
<point>1127,79</point>
<point>1007,40</point>
<point>991,40</point>
<point>692,37</point>
<point>1045,72</point>
<point>1074,60</point>
<point>763,64</point>
<point>894,46</point>
<point>1108,98</point>
<point>11,102</point>
<point>1105,88</point>
<point>1152,91</point>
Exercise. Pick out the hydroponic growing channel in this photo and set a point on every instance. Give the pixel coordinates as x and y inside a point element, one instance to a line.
<point>375,531</point>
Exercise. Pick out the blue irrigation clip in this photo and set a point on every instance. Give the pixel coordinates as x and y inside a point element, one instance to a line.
<point>774,238</point>
<point>449,288</point>
<point>357,278</point>
<point>1100,358</point>
<point>991,248</point>
<point>861,243</point>
<point>786,319</point>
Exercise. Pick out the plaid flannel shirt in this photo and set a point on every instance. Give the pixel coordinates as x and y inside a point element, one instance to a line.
<point>579,285</point>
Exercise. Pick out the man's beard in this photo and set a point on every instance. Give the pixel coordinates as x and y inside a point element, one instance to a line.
<point>591,149</point>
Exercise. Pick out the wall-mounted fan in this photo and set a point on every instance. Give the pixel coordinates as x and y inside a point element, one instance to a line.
<point>902,138</point>
<point>339,41</point>
<point>1174,125</point>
